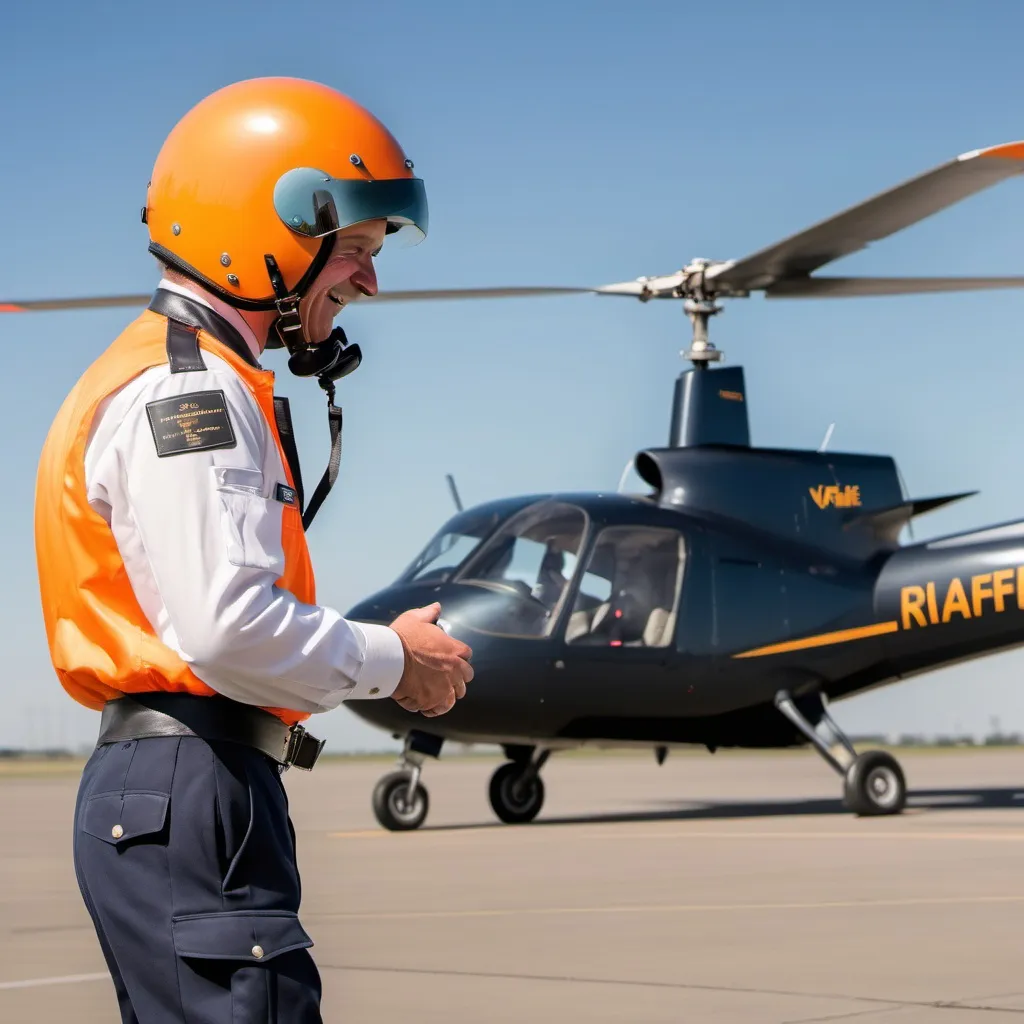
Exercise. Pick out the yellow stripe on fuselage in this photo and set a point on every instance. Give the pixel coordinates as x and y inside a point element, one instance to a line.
<point>839,636</point>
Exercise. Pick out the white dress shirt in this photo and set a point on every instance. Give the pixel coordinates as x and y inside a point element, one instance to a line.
<point>200,536</point>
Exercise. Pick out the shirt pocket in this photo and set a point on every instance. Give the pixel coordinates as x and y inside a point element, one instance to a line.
<point>250,520</point>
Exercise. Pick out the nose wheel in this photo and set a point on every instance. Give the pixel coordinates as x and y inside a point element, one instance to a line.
<point>873,782</point>
<point>400,800</point>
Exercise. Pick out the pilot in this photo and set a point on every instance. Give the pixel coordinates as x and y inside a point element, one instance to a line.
<point>176,584</point>
<point>551,579</point>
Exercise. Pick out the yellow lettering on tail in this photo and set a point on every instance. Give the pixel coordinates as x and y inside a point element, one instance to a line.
<point>832,494</point>
<point>911,599</point>
<point>989,592</point>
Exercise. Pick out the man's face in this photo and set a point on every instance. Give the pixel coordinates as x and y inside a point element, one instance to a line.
<point>347,274</point>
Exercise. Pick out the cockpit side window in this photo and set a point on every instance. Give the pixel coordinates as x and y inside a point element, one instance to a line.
<point>629,592</point>
<point>526,567</point>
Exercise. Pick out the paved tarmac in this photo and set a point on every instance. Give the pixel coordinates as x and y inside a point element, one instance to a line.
<point>732,889</point>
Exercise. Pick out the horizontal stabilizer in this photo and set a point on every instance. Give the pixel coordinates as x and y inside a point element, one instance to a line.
<point>887,522</point>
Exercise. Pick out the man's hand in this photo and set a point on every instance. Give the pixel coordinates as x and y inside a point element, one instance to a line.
<point>437,666</point>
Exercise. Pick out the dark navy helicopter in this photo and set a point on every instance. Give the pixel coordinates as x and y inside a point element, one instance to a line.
<point>731,603</point>
<point>728,605</point>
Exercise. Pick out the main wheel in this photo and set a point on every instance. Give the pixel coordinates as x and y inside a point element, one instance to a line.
<point>875,784</point>
<point>392,806</point>
<point>516,799</point>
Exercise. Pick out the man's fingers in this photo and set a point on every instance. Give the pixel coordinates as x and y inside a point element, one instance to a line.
<point>462,650</point>
<point>441,708</point>
<point>467,671</point>
<point>426,614</point>
<point>460,690</point>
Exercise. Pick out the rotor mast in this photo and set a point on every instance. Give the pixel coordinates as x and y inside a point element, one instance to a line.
<point>700,306</point>
<point>708,407</point>
<point>701,350</point>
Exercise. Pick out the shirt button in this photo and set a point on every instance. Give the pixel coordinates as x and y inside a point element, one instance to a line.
<point>375,691</point>
<point>257,951</point>
<point>117,831</point>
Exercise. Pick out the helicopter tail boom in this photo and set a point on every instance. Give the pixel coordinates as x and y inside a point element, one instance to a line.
<point>954,598</point>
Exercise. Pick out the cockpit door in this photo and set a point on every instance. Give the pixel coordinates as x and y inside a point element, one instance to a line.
<point>617,640</point>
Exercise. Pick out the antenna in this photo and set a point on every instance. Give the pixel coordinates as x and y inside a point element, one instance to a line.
<point>454,490</point>
<point>625,473</point>
<point>906,495</point>
<point>828,437</point>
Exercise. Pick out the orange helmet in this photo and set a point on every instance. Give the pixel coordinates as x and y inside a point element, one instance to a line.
<point>253,181</point>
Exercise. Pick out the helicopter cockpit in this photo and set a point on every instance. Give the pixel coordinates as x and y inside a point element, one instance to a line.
<point>521,566</point>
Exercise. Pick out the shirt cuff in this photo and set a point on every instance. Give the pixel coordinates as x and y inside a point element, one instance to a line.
<point>383,663</point>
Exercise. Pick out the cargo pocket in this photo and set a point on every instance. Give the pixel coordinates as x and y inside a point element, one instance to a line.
<point>232,961</point>
<point>242,935</point>
<point>250,521</point>
<point>123,818</point>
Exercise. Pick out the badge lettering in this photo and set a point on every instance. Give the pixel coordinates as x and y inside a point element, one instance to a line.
<point>190,423</point>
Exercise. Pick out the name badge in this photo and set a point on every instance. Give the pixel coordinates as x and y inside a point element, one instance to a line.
<point>196,422</point>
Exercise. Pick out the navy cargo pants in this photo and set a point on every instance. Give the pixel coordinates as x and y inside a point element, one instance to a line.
<point>185,856</point>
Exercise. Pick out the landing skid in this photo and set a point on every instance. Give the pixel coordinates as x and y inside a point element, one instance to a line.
<point>873,782</point>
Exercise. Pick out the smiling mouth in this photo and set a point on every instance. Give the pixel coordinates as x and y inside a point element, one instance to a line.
<point>336,299</point>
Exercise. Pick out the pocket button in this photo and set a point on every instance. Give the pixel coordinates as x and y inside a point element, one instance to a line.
<point>257,951</point>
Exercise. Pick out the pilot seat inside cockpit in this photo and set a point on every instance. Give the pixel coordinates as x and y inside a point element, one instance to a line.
<point>641,569</point>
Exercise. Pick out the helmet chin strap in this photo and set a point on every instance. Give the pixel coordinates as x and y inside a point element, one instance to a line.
<point>327,361</point>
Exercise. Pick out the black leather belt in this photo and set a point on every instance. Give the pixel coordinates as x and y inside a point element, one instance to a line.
<point>143,715</point>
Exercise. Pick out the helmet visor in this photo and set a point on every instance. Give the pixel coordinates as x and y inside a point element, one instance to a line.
<point>314,204</point>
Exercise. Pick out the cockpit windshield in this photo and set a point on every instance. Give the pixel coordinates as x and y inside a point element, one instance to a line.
<point>451,546</point>
<point>526,566</point>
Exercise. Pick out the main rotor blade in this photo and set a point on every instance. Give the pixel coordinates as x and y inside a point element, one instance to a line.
<point>644,288</point>
<point>41,305</point>
<point>100,302</point>
<point>417,295</point>
<point>848,287</point>
<point>874,219</point>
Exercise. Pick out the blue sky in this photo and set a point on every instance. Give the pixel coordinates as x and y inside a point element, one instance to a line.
<point>560,144</point>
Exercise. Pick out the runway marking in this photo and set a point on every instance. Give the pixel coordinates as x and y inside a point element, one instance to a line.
<point>541,832</point>
<point>63,979</point>
<point>880,1004</point>
<point>670,908</point>
<point>1015,837</point>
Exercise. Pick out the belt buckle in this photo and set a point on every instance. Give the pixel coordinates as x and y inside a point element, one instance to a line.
<point>303,749</point>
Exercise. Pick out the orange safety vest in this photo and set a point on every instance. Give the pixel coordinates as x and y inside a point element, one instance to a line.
<point>101,644</point>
